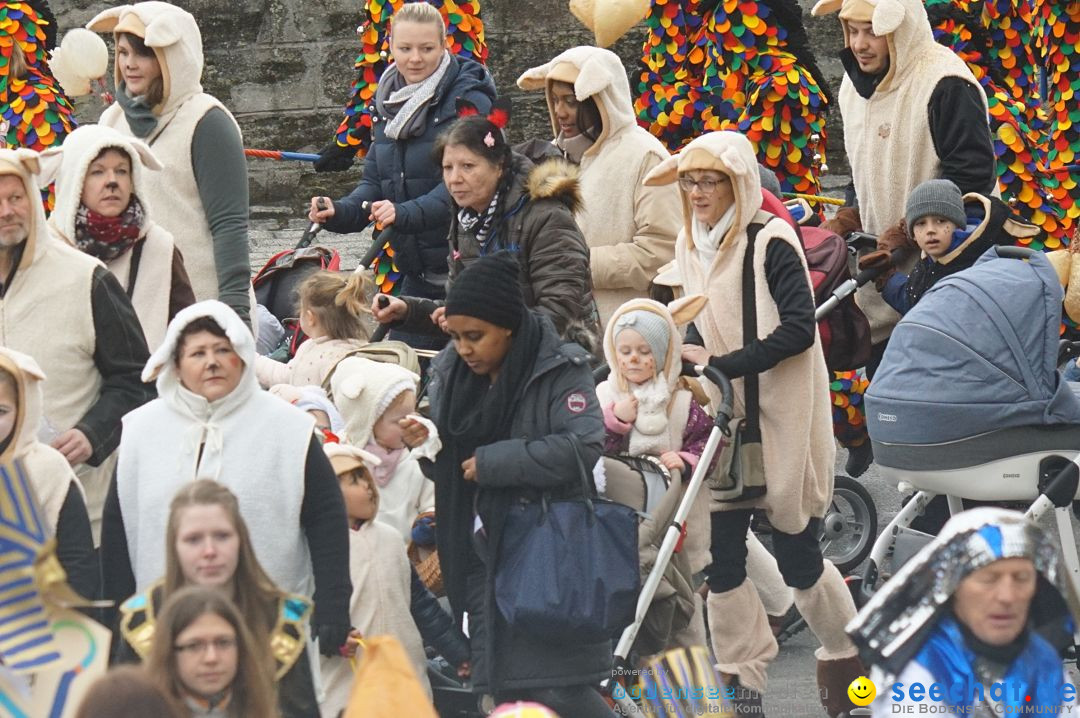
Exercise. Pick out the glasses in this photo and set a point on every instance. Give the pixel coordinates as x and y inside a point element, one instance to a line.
<point>707,186</point>
<point>222,644</point>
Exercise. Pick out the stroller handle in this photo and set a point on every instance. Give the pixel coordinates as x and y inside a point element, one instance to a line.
<point>1009,252</point>
<point>727,396</point>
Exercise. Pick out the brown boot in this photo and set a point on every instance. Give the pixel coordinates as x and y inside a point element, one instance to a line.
<point>833,679</point>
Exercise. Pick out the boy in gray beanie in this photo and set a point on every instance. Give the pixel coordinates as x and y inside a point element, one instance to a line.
<point>953,231</point>
<point>935,210</point>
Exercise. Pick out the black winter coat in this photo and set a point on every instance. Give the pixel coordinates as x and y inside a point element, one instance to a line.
<point>558,402</point>
<point>406,173</point>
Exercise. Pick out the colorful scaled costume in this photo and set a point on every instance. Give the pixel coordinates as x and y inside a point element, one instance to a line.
<point>1022,53</point>
<point>34,111</point>
<point>744,66</point>
<point>465,32</point>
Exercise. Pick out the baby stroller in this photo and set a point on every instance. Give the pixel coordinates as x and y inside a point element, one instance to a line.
<point>661,538</point>
<point>968,403</point>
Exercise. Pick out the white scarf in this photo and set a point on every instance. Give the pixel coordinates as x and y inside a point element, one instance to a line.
<point>411,98</point>
<point>205,438</point>
<point>707,241</point>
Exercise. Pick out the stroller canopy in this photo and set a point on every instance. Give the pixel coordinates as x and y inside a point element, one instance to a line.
<point>976,354</point>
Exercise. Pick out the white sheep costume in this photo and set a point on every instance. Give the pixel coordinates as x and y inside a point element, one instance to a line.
<point>68,165</point>
<point>174,36</point>
<point>382,589</point>
<point>797,441</point>
<point>47,313</point>
<point>49,472</point>
<point>630,228</point>
<point>886,135</point>
<point>251,442</point>
<point>362,390</point>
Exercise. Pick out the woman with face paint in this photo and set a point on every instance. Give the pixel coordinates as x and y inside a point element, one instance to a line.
<point>102,209</point>
<point>211,421</point>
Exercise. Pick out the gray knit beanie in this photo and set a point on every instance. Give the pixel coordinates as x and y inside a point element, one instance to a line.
<point>652,327</point>
<point>938,197</point>
<point>769,180</point>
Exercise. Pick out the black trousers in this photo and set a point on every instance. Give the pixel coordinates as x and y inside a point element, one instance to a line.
<point>797,555</point>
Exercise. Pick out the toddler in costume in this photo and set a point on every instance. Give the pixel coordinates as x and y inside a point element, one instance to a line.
<point>649,410</point>
<point>332,308</point>
<point>380,575</point>
<point>329,426</point>
<point>378,403</point>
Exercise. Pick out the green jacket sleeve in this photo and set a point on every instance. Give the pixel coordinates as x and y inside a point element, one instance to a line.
<point>217,157</point>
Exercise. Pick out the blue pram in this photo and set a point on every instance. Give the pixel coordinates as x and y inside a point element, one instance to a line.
<point>968,402</point>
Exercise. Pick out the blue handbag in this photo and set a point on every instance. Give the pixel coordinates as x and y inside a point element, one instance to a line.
<point>567,569</point>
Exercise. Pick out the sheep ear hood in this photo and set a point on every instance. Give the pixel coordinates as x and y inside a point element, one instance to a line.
<point>174,36</point>
<point>26,165</point>
<point>903,22</point>
<point>593,72</point>
<point>29,399</point>
<point>609,19</point>
<point>672,366</point>
<point>362,389</point>
<point>162,367</point>
<point>727,152</point>
<point>69,163</point>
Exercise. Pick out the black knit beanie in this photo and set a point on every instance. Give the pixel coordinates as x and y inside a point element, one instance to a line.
<point>489,289</point>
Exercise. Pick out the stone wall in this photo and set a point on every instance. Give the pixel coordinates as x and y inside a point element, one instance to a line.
<point>284,68</point>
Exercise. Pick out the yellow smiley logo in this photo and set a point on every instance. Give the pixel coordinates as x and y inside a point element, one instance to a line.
<point>862,691</point>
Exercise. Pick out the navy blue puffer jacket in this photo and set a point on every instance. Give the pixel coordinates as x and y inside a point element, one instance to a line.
<point>404,172</point>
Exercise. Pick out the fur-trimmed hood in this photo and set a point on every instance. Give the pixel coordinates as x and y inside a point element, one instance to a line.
<point>727,152</point>
<point>903,22</point>
<point>555,179</point>
<point>593,72</point>
<point>69,163</point>
<point>174,36</point>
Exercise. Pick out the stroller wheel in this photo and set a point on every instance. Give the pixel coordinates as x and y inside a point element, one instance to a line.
<point>850,525</point>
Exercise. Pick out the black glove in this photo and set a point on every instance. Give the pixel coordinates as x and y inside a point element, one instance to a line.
<point>332,637</point>
<point>334,158</point>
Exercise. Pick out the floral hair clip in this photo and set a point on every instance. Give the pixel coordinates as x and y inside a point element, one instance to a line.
<point>489,140</point>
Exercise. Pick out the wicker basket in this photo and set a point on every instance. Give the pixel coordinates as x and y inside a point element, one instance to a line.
<point>426,561</point>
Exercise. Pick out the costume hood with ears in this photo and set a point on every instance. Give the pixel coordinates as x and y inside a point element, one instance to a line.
<point>346,457</point>
<point>173,34</point>
<point>609,19</point>
<point>69,163</point>
<point>25,164</point>
<point>727,152</point>
<point>903,22</point>
<point>892,627</point>
<point>679,313</point>
<point>1067,266</point>
<point>363,389</point>
<point>592,72</point>
<point>29,401</point>
<point>162,366</point>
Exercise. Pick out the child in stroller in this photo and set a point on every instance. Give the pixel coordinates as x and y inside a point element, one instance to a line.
<point>968,402</point>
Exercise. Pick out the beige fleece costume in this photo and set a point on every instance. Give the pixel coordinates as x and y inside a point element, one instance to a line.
<point>795,420</point>
<point>54,282</point>
<point>68,165</point>
<point>174,36</point>
<point>887,137</point>
<point>50,474</point>
<point>630,228</point>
